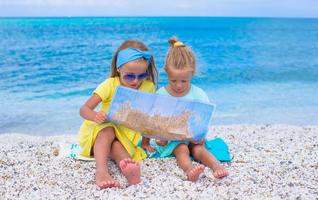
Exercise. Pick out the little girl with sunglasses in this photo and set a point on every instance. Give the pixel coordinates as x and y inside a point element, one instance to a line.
<point>132,66</point>
<point>180,67</point>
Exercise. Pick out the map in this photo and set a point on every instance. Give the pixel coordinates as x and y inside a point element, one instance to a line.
<point>160,116</point>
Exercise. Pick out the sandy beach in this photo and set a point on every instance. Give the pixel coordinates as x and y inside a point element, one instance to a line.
<point>269,162</point>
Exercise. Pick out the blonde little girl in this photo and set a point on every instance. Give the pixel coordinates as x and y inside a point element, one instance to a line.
<point>180,67</point>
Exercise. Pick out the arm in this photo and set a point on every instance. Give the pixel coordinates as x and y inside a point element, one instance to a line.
<point>87,110</point>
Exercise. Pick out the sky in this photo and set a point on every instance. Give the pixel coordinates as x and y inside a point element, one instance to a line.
<point>229,8</point>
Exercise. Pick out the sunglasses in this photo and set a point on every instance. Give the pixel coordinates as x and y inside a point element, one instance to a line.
<point>132,76</point>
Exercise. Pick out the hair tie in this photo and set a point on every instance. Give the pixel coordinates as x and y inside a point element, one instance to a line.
<point>178,44</point>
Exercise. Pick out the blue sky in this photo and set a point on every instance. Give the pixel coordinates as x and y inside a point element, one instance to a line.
<point>257,8</point>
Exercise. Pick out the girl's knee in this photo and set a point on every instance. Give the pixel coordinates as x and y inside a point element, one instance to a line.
<point>107,132</point>
<point>197,150</point>
<point>181,148</point>
<point>116,144</point>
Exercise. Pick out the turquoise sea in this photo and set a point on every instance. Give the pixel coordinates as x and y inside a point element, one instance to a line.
<point>256,70</point>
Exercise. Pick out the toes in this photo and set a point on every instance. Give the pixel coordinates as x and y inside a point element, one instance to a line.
<point>126,161</point>
<point>216,174</point>
<point>104,185</point>
<point>226,173</point>
<point>122,164</point>
<point>194,173</point>
<point>136,163</point>
<point>201,167</point>
<point>116,184</point>
<point>110,184</point>
<point>106,181</point>
<point>220,173</point>
<point>190,173</point>
<point>129,160</point>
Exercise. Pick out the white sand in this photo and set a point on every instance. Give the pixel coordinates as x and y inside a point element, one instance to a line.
<point>270,162</point>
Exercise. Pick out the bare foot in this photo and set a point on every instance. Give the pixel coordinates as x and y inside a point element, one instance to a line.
<point>104,180</point>
<point>194,173</point>
<point>220,172</point>
<point>131,170</point>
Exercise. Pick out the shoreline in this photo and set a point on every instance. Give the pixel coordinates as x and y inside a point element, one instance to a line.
<point>270,161</point>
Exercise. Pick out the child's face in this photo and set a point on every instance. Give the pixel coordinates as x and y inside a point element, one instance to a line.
<point>133,73</point>
<point>179,81</point>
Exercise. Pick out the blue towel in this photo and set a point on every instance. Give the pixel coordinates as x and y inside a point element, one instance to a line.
<point>219,149</point>
<point>215,146</point>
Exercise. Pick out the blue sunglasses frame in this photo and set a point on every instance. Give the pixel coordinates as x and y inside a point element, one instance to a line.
<point>132,76</point>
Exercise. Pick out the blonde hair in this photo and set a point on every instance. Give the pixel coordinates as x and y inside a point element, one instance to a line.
<point>179,56</point>
<point>152,70</point>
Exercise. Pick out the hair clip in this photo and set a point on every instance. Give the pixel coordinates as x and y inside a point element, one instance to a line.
<point>178,44</point>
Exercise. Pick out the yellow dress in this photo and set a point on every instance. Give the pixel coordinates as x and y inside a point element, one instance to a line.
<point>127,137</point>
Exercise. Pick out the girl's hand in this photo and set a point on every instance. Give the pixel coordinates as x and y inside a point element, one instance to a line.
<point>200,142</point>
<point>145,144</point>
<point>161,142</point>
<point>147,147</point>
<point>100,117</point>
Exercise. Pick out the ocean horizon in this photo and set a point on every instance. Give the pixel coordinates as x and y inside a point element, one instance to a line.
<point>256,70</point>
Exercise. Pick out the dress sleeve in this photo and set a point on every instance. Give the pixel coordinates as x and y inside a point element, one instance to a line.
<point>104,90</point>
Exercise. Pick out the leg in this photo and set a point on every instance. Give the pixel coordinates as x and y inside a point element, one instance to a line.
<point>200,153</point>
<point>101,149</point>
<point>129,168</point>
<point>182,154</point>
